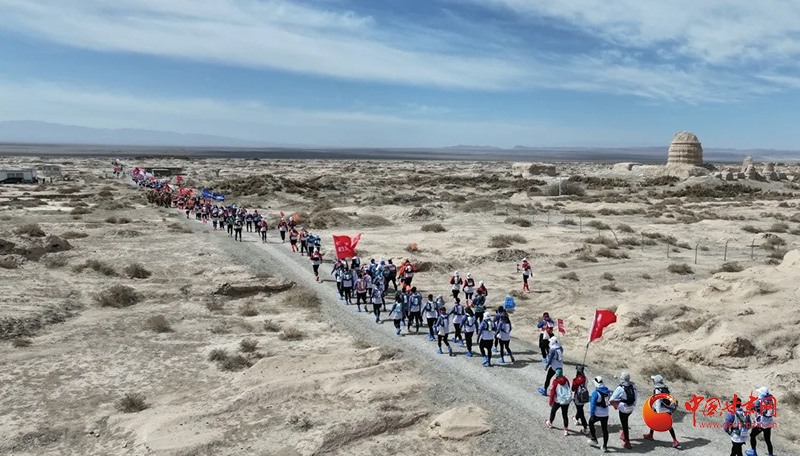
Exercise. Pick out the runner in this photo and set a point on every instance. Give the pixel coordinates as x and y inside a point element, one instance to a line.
<point>598,411</point>
<point>397,315</point>
<point>737,425</point>
<point>237,228</point>
<point>482,291</point>
<point>526,274</point>
<point>504,336</point>
<point>442,328</point>
<point>470,324</point>
<point>664,406</point>
<point>414,309</point>
<point>545,326</point>
<point>560,397</point>
<point>316,259</point>
<point>764,409</point>
<point>361,290</point>
<point>431,313</point>
<point>262,228</point>
<point>555,360</point>
<point>469,287</point>
<point>390,274</point>
<point>580,397</point>
<point>408,273</point>
<point>377,301</point>
<point>479,306</point>
<point>282,227</point>
<point>347,285</point>
<point>293,236</point>
<point>455,284</point>
<point>458,317</point>
<point>624,400</point>
<point>486,334</point>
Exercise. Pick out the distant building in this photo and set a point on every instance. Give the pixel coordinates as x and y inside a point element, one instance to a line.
<point>685,149</point>
<point>49,171</point>
<point>17,176</point>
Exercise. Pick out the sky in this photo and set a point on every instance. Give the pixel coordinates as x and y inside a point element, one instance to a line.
<point>411,73</point>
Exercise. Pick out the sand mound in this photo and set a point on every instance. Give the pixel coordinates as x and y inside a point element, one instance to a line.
<point>253,287</point>
<point>461,422</point>
<point>791,261</point>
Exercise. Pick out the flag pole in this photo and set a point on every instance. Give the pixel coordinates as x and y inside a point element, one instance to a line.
<point>586,352</point>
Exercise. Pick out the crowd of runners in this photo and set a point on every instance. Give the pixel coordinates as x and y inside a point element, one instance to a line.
<point>470,320</point>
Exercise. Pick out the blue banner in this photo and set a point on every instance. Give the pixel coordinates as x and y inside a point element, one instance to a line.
<point>215,196</point>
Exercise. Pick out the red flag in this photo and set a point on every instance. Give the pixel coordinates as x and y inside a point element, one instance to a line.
<point>602,318</point>
<point>179,178</point>
<point>344,247</point>
<point>355,241</point>
<point>561,326</point>
<point>282,214</point>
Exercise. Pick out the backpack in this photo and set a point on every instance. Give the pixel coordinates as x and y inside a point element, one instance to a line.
<point>582,395</point>
<point>665,403</point>
<point>630,394</point>
<point>563,394</point>
<point>602,400</point>
<point>489,325</point>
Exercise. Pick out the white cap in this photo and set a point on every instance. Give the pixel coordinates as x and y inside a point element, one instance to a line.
<point>480,283</point>
<point>763,391</point>
<point>625,376</point>
<point>657,379</point>
<point>524,260</point>
<point>455,273</point>
<point>469,274</point>
<point>598,381</point>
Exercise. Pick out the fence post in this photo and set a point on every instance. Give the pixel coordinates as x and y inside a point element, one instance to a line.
<point>615,237</point>
<point>642,242</point>
<point>548,217</point>
<point>668,246</point>
<point>752,250</point>
<point>725,256</point>
<point>695,252</point>
<point>580,224</point>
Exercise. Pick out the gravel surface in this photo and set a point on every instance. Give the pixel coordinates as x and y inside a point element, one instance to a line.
<point>509,392</point>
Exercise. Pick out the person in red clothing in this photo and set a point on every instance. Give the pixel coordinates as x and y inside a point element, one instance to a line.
<point>580,396</point>
<point>482,289</point>
<point>560,397</point>
<point>456,282</point>
<point>316,260</point>
<point>526,274</point>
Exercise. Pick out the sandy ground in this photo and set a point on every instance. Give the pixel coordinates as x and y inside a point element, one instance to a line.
<point>709,333</point>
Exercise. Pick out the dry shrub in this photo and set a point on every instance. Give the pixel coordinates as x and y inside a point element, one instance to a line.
<point>117,296</point>
<point>569,276</point>
<point>792,399</point>
<point>158,323</point>
<point>501,241</point>
<point>561,264</point>
<point>69,190</point>
<point>137,271</point>
<point>218,354</point>
<point>118,220</point>
<point>731,266</point>
<point>751,229</point>
<point>602,240</point>
<point>97,266</point>
<point>629,240</point>
<point>248,309</point>
<point>647,276</point>
<point>271,326</point>
<point>434,228</point>
<point>682,269</point>
<point>291,334</point>
<point>566,188</point>
<point>669,369</point>
<point>519,221</point>
<point>74,235</point>
<point>8,262</point>
<point>778,227</point>
<point>372,221</point>
<point>772,241</point>
<point>248,345</point>
<point>623,228</point>
<point>30,229</point>
<point>586,256</point>
<point>176,227</point>
<point>328,219</point>
<point>235,363</point>
<point>21,342</point>
<point>80,211</point>
<point>566,222</point>
<point>132,403</point>
<point>607,276</point>
<point>214,305</point>
<point>301,297</point>
<point>612,287</point>
<point>605,252</point>
<point>478,205</point>
<point>105,193</point>
<point>361,344</point>
<point>598,224</point>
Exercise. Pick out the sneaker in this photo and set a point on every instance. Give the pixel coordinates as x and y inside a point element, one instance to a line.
<point>750,453</point>
<point>604,450</point>
<point>544,360</point>
<point>548,423</point>
<point>398,331</point>
<point>566,432</point>
<point>450,351</point>
<point>439,351</point>
<point>454,340</point>
<point>543,391</point>
<point>485,360</point>
<point>677,446</point>
<point>626,444</point>
<point>495,350</point>
<point>648,436</point>
<point>502,360</point>
<point>512,359</point>
<point>622,435</point>
<point>469,354</point>
<point>430,338</point>
<point>462,344</point>
<point>378,320</point>
<point>591,441</point>
<point>575,421</point>
<point>359,309</point>
<point>583,431</point>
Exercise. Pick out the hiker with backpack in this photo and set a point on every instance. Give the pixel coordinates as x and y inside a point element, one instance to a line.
<point>479,306</point>
<point>580,397</point>
<point>361,290</point>
<point>555,360</point>
<point>497,318</point>
<point>414,309</point>
<point>458,318</point>
<point>408,271</point>
<point>390,274</point>
<point>624,400</point>
<point>504,336</point>
<point>431,314</point>
<point>598,412</point>
<point>469,287</point>
<point>396,314</point>
<point>737,425</point>
<point>482,291</point>
<point>560,397</point>
<point>486,334</point>
<point>347,285</point>
<point>526,274</point>
<point>469,325</point>
<point>377,301</point>
<point>663,406</point>
<point>442,328</point>
<point>545,326</point>
<point>764,408</point>
<point>455,284</point>
<point>316,260</point>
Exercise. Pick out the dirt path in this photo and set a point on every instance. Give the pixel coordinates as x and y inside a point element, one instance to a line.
<point>508,391</point>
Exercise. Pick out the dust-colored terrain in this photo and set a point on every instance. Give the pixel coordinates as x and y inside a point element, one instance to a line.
<point>696,268</point>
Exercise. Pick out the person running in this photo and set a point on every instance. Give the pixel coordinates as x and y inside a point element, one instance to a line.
<point>498,318</point>
<point>390,274</point>
<point>560,397</point>
<point>338,273</point>
<point>377,302</point>
<point>737,425</point>
<point>408,273</point>
<point>486,334</point>
<point>248,220</point>
<point>355,263</point>
<point>504,336</point>
<point>482,291</point>
<point>304,241</point>
<point>479,306</point>
<point>282,228</point>
<point>431,313</point>
<point>469,325</point>
<point>414,309</point>
<point>237,228</point>
<point>316,260</point>
<point>580,397</point>
<point>396,314</point>
<point>442,328</point>
<point>458,318</point>
<point>545,326</point>
<point>455,284</point>
<point>663,406</point>
<point>624,400</point>
<point>347,286</point>
<point>293,236</point>
<point>229,221</point>
<point>262,228</point>
<point>361,291</point>
<point>469,287</point>
<point>764,409</point>
<point>215,219</point>
<point>555,360</point>
<point>598,412</point>
<point>526,274</point>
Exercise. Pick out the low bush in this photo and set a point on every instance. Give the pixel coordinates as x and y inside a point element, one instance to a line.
<point>8,262</point>
<point>300,297</point>
<point>669,369</point>
<point>21,342</point>
<point>561,264</point>
<point>74,235</point>
<point>176,227</point>
<point>730,266</point>
<point>248,309</point>
<point>565,189</point>
<point>291,334</point>
<point>248,345</point>
<point>646,276</point>
<point>751,229</point>
<point>158,323</point>
<point>137,271</point>
<point>31,229</point>
<point>434,228</point>
<point>778,227</point>
<point>567,222</point>
<point>519,221</point>
<point>602,240</point>
<point>586,256</point>
<point>132,403</point>
<point>117,296</point>
<point>569,276</point>
<point>598,224</point>
<point>682,269</point>
<point>623,228</point>
<point>218,354</point>
<point>612,287</point>
<point>97,266</point>
<point>361,344</point>
<point>605,252</point>
<point>235,363</point>
<point>608,276</point>
<point>214,305</point>
<point>80,211</point>
<point>271,326</point>
<point>501,241</point>
<point>773,241</point>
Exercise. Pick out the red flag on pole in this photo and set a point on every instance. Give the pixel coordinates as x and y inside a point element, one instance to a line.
<point>282,214</point>
<point>345,247</point>
<point>602,318</point>
<point>561,326</point>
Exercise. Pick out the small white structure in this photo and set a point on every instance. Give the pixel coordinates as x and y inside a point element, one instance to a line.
<point>49,171</point>
<point>17,176</point>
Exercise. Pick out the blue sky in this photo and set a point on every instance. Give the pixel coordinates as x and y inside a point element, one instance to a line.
<point>413,72</point>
